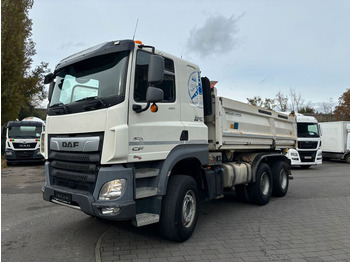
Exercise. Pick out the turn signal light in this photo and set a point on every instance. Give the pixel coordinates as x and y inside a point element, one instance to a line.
<point>154,108</point>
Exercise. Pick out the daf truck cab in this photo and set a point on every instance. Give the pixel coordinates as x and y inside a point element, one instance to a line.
<point>308,151</point>
<point>23,140</point>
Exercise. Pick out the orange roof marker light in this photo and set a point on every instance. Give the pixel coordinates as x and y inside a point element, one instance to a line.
<point>138,42</point>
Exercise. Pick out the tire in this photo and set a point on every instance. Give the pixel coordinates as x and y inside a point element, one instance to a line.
<point>179,208</point>
<point>280,179</point>
<point>260,191</point>
<point>347,159</point>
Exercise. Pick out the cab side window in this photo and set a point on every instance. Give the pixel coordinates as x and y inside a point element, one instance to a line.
<point>141,83</point>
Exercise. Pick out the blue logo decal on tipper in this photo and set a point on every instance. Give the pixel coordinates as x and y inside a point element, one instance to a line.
<point>195,90</point>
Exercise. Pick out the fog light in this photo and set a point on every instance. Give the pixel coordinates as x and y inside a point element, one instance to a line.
<point>8,153</point>
<point>110,210</point>
<point>37,153</point>
<point>112,189</point>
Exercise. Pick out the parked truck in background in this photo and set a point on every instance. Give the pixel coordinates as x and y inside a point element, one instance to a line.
<point>336,140</point>
<point>308,151</point>
<point>23,140</point>
<point>133,133</point>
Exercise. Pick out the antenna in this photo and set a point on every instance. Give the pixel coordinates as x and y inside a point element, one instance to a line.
<point>137,22</point>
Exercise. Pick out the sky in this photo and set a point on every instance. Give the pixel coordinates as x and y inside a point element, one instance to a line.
<point>251,47</point>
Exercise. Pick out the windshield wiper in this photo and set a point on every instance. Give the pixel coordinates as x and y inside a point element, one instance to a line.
<point>60,105</point>
<point>92,98</point>
<point>94,102</point>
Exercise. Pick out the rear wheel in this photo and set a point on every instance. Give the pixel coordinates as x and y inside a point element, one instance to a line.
<point>260,191</point>
<point>347,159</point>
<point>280,179</point>
<point>179,208</point>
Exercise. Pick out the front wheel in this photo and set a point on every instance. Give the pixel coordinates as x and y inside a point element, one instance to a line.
<point>179,208</point>
<point>260,191</point>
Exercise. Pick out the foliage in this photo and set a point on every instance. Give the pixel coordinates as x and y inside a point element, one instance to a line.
<point>268,103</point>
<point>307,110</point>
<point>342,111</point>
<point>282,102</point>
<point>20,86</point>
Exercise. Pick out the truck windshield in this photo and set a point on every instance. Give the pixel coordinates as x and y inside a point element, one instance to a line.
<point>90,84</point>
<point>24,131</point>
<point>308,130</point>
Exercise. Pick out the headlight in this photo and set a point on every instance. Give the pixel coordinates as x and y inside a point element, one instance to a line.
<point>294,154</point>
<point>112,189</point>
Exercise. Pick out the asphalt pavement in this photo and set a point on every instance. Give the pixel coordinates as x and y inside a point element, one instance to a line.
<point>312,223</point>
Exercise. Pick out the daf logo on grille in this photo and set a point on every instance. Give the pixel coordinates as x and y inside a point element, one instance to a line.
<point>70,144</point>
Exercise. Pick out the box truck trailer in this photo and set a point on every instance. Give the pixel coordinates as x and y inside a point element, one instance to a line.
<point>134,133</point>
<point>336,140</point>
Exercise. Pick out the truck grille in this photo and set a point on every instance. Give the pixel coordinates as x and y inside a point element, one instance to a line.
<point>75,170</point>
<point>307,144</point>
<point>307,156</point>
<point>24,154</point>
<point>24,145</point>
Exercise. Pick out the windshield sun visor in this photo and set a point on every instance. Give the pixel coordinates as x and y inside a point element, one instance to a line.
<point>101,49</point>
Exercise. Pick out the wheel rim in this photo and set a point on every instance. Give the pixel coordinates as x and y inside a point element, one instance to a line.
<point>283,179</point>
<point>189,208</point>
<point>264,184</point>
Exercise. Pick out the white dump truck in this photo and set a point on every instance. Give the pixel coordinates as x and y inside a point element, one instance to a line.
<point>308,151</point>
<point>133,133</point>
<point>336,140</point>
<point>23,140</point>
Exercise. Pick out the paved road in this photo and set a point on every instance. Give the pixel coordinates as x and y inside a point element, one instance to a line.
<point>312,223</point>
<point>35,230</point>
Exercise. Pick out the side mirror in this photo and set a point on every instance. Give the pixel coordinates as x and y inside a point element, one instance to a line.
<point>49,78</point>
<point>51,86</point>
<point>154,94</point>
<point>155,70</point>
<point>3,130</point>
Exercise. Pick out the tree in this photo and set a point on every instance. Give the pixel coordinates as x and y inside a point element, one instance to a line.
<point>268,103</point>
<point>307,110</point>
<point>20,87</point>
<point>328,106</point>
<point>342,111</point>
<point>296,100</point>
<point>282,102</point>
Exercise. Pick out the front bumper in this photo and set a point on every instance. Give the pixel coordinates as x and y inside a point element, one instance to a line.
<point>305,158</point>
<point>23,155</point>
<point>124,207</point>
